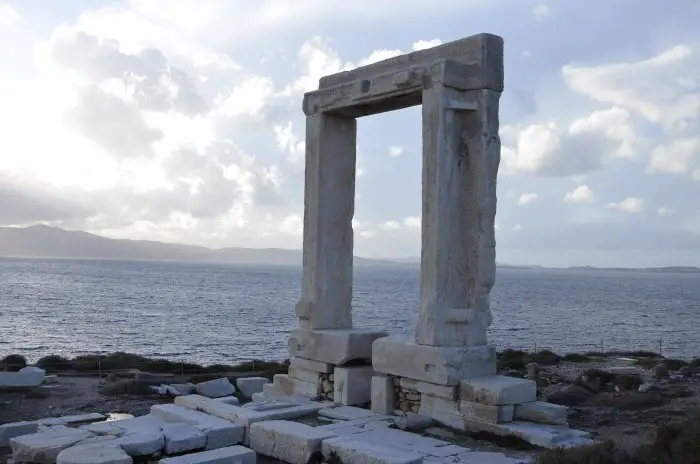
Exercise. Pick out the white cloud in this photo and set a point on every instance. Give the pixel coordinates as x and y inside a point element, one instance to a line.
<point>581,194</point>
<point>292,225</point>
<point>525,54</point>
<point>517,228</point>
<point>389,225</point>
<point>586,145</point>
<point>679,157</point>
<point>367,234</point>
<point>663,88</point>
<point>630,205</point>
<point>412,222</point>
<point>423,44</point>
<point>248,97</point>
<point>395,150</point>
<point>527,198</point>
<point>541,11</point>
<point>665,212</point>
<point>8,15</point>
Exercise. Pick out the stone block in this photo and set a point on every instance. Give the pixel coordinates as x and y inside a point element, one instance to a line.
<point>350,413</point>
<point>43,447</point>
<point>333,346</point>
<point>310,365</point>
<point>216,388</point>
<point>543,435</point>
<point>447,392</point>
<point>220,433</point>
<point>147,423</point>
<point>103,428</point>
<point>497,390</point>
<point>248,386</point>
<point>351,449</point>
<point>16,429</point>
<point>144,443</point>
<point>304,374</point>
<point>183,388</point>
<point>229,455</point>
<point>382,394</point>
<point>246,416</point>
<point>289,386</point>
<point>27,377</point>
<point>180,438</point>
<point>353,385</point>
<point>229,400</point>
<point>542,413</point>
<point>288,441</point>
<point>493,414</point>
<point>96,453</point>
<point>432,364</point>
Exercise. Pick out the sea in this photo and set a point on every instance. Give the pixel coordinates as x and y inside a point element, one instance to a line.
<point>228,313</point>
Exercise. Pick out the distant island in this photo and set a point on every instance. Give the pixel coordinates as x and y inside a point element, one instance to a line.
<point>663,269</point>
<point>53,242</point>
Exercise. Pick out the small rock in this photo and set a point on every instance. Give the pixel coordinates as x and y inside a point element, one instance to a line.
<point>676,377</point>
<point>645,387</point>
<point>571,395</point>
<point>661,371</point>
<point>216,388</point>
<point>627,382</point>
<point>685,371</point>
<point>413,421</point>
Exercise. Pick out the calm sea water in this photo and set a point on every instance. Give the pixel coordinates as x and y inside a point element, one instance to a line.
<point>211,313</point>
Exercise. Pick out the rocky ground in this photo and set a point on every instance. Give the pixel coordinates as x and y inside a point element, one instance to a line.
<point>607,406</point>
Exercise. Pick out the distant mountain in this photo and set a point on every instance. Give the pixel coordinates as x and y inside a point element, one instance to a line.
<point>54,242</point>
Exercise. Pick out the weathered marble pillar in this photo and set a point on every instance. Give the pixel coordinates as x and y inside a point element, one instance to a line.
<point>461,153</point>
<point>329,203</point>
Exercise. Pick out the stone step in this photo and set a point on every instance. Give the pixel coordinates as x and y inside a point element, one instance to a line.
<point>232,454</point>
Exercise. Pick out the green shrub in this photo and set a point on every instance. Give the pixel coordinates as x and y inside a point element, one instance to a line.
<point>577,358</point>
<point>545,357</point>
<point>13,362</point>
<point>512,359</point>
<point>674,364</point>
<point>54,363</point>
<point>673,443</point>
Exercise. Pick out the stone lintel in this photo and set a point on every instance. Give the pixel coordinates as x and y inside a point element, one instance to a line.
<point>482,50</point>
<point>441,365</point>
<point>336,347</point>
<point>393,90</point>
<point>310,365</point>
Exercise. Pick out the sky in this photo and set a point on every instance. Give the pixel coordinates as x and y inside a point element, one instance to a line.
<point>181,121</point>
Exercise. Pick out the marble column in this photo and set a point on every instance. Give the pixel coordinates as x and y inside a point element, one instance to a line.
<point>461,154</point>
<point>329,203</point>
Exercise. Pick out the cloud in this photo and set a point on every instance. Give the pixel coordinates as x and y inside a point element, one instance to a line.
<point>665,212</point>
<point>663,89</point>
<point>423,44</point>
<point>517,228</point>
<point>389,225</point>
<point>630,205</point>
<point>395,150</point>
<point>8,15</point>
<point>541,11</point>
<point>581,194</point>
<point>586,145</point>
<point>681,156</point>
<point>412,222</point>
<point>527,198</point>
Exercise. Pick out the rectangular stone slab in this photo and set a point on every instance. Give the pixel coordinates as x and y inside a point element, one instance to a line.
<point>433,364</point>
<point>333,346</point>
<point>349,450</point>
<point>353,385</point>
<point>542,413</point>
<point>497,390</point>
<point>232,454</point>
<point>290,442</point>
<point>482,50</point>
